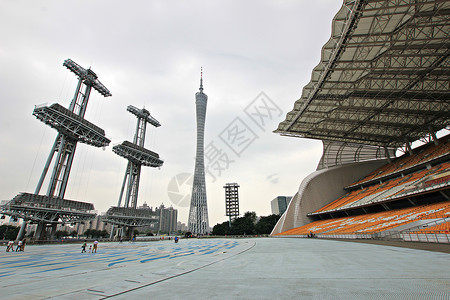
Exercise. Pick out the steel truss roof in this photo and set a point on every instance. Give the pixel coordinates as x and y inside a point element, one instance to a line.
<point>71,125</point>
<point>384,76</point>
<point>132,217</point>
<point>137,154</point>
<point>37,208</point>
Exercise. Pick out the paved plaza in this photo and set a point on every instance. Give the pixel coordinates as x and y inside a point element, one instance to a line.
<point>258,268</point>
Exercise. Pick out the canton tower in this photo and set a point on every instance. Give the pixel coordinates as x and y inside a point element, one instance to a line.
<point>198,212</point>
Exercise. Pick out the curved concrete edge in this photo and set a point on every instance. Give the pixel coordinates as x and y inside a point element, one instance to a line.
<point>320,188</point>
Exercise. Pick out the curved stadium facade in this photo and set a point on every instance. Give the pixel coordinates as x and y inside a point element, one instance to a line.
<point>383,83</point>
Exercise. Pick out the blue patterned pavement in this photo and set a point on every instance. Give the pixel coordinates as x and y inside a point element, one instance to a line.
<point>63,271</point>
<point>258,268</point>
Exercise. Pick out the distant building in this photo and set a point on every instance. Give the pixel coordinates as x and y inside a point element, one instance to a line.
<point>96,224</point>
<point>64,227</point>
<point>280,204</point>
<point>167,222</point>
<point>181,226</point>
<point>10,221</point>
<point>167,219</point>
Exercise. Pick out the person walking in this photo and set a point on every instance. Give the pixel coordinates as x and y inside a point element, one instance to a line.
<point>83,247</point>
<point>19,246</point>
<point>10,246</point>
<point>95,246</point>
<point>22,248</point>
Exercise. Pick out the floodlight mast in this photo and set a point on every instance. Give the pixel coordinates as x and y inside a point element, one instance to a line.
<point>72,128</point>
<point>65,145</point>
<point>133,170</point>
<point>231,201</point>
<point>137,156</point>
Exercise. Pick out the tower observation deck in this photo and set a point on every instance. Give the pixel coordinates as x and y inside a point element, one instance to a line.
<point>127,214</point>
<point>51,209</point>
<point>198,212</point>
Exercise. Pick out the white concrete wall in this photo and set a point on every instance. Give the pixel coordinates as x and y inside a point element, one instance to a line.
<point>320,188</point>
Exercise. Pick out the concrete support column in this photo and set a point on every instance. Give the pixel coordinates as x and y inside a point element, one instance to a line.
<point>53,232</point>
<point>408,148</point>
<point>23,229</point>
<point>386,154</point>
<point>433,136</point>
<point>39,230</point>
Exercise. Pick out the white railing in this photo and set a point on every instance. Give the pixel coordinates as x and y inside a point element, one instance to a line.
<point>430,237</point>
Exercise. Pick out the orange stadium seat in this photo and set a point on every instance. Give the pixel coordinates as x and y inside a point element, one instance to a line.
<point>431,152</point>
<point>439,228</point>
<point>374,222</point>
<point>380,191</point>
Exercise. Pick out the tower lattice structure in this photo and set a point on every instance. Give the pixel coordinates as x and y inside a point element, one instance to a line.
<point>231,200</point>
<point>51,209</point>
<point>198,213</point>
<point>137,156</point>
<point>127,214</point>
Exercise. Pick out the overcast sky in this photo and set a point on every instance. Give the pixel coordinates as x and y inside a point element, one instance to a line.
<point>254,54</point>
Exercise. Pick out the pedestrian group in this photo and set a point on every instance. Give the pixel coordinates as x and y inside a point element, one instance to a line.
<point>91,249</point>
<point>20,246</point>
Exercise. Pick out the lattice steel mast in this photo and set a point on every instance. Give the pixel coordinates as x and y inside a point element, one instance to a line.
<point>72,128</point>
<point>69,133</point>
<point>198,213</point>
<point>137,156</point>
<point>231,201</point>
<point>128,215</point>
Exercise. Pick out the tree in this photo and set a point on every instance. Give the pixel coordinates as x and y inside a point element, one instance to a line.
<point>221,229</point>
<point>244,225</point>
<point>9,232</point>
<point>247,225</point>
<point>60,233</point>
<point>265,225</point>
<point>93,233</point>
<point>88,233</point>
<point>251,215</point>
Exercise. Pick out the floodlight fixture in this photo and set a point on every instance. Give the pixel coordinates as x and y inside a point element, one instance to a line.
<point>144,114</point>
<point>88,76</point>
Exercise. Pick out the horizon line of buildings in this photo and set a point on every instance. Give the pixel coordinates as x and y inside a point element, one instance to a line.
<point>167,223</point>
<point>168,219</point>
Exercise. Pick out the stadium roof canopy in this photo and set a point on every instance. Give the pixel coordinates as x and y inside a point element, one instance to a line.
<point>383,79</point>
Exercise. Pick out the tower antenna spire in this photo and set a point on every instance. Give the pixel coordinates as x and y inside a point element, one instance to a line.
<point>201,79</point>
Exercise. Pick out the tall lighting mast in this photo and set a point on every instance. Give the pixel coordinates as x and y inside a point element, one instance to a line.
<point>127,214</point>
<point>51,209</point>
